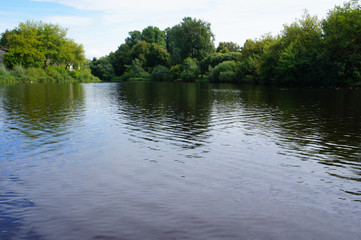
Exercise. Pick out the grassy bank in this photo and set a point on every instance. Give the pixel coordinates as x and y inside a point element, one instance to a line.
<point>48,75</point>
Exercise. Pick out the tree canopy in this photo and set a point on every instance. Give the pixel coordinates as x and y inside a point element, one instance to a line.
<point>225,47</point>
<point>191,38</point>
<point>342,35</point>
<point>38,44</point>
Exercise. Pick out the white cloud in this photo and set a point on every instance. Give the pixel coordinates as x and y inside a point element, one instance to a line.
<point>74,21</point>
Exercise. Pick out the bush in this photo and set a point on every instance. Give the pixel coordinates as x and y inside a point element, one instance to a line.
<point>191,70</point>
<point>161,73</point>
<point>3,71</point>
<point>51,73</point>
<point>217,58</point>
<point>83,75</point>
<point>37,74</point>
<point>225,72</point>
<point>175,71</point>
<point>19,71</point>
<point>102,68</point>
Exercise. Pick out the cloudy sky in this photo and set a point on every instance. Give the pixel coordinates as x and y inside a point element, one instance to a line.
<point>102,25</point>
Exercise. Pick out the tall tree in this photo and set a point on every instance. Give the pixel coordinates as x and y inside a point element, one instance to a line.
<point>119,59</point>
<point>35,44</point>
<point>224,47</point>
<point>149,55</point>
<point>296,58</point>
<point>4,42</point>
<point>191,38</point>
<point>134,38</point>
<point>342,34</point>
<point>153,35</point>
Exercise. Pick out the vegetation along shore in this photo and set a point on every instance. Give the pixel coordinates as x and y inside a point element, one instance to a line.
<point>308,52</point>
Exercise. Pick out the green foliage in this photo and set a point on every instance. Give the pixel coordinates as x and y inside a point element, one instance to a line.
<point>191,38</point>
<point>4,42</point>
<point>3,70</point>
<point>154,35</point>
<point>225,72</point>
<point>136,72</point>
<point>37,44</point>
<point>296,58</point>
<point>3,73</point>
<point>253,54</point>
<point>190,70</point>
<point>119,59</point>
<point>50,74</point>
<point>226,47</point>
<point>342,35</point>
<point>175,71</point>
<point>150,55</point>
<point>216,58</point>
<point>19,71</point>
<point>36,74</point>
<point>134,38</point>
<point>102,68</point>
<point>161,73</point>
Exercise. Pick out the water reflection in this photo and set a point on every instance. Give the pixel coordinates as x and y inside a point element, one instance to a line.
<point>316,124</point>
<point>40,115</point>
<point>323,125</point>
<point>177,113</point>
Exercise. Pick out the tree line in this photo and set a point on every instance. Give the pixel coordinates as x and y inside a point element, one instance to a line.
<point>308,52</point>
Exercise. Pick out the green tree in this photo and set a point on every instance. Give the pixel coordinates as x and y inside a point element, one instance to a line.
<point>119,59</point>
<point>225,72</point>
<point>102,68</point>
<point>154,35</point>
<point>191,69</point>
<point>251,56</point>
<point>25,46</point>
<point>149,55</point>
<point>71,54</point>
<point>225,47</point>
<point>342,34</point>
<point>4,42</point>
<point>35,44</point>
<point>134,38</point>
<point>216,58</point>
<point>136,71</point>
<point>297,57</point>
<point>161,73</point>
<point>191,38</point>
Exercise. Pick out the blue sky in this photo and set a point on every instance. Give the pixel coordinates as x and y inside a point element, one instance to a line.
<point>102,25</point>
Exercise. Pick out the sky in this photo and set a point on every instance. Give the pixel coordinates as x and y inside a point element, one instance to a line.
<point>102,25</point>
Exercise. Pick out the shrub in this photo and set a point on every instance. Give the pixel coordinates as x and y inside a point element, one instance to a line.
<point>19,71</point>
<point>225,72</point>
<point>161,73</point>
<point>217,58</point>
<point>175,71</point>
<point>37,74</point>
<point>3,71</point>
<point>191,70</point>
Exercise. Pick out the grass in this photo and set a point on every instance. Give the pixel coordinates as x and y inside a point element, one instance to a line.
<point>51,74</point>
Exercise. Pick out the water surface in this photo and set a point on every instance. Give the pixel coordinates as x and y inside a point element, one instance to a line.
<point>142,160</point>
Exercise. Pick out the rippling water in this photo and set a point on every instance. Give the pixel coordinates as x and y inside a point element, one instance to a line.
<point>144,160</point>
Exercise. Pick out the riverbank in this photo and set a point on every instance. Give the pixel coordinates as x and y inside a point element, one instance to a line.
<point>48,75</point>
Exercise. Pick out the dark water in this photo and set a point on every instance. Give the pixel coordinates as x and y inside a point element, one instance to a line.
<point>179,161</point>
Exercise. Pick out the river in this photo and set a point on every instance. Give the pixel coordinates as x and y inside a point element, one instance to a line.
<point>145,160</point>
